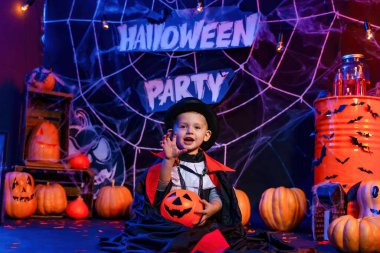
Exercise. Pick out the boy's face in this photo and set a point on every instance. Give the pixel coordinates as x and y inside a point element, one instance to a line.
<point>192,131</point>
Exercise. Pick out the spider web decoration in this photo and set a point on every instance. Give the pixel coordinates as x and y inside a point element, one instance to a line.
<point>266,118</point>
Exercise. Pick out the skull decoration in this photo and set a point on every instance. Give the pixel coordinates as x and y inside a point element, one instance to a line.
<point>44,143</point>
<point>19,198</point>
<point>369,198</point>
<point>180,206</point>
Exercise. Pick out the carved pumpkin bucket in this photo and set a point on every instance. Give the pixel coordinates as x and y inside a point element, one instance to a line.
<point>368,197</point>
<point>43,143</point>
<point>19,197</point>
<point>180,206</point>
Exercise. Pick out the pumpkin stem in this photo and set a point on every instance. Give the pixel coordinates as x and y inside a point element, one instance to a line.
<point>47,183</point>
<point>113,182</point>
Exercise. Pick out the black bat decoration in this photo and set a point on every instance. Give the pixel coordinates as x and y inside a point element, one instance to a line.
<point>354,120</point>
<point>342,162</point>
<point>364,134</point>
<point>366,171</point>
<point>328,137</point>
<point>374,114</point>
<point>331,177</point>
<point>318,161</point>
<point>356,104</point>
<point>355,141</point>
<point>340,109</point>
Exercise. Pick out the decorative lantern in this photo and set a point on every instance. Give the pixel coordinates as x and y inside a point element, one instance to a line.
<point>19,198</point>
<point>43,143</point>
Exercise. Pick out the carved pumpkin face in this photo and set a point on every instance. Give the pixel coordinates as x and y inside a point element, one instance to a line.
<point>44,143</point>
<point>20,200</point>
<point>369,198</point>
<point>180,206</point>
<point>42,79</point>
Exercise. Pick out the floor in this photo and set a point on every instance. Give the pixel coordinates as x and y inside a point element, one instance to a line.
<point>66,235</point>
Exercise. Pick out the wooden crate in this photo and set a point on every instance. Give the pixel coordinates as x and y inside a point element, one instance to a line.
<point>54,107</point>
<point>75,182</point>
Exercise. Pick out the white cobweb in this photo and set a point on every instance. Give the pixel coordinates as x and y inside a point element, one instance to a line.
<point>269,95</point>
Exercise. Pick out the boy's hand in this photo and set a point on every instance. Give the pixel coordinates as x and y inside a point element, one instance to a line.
<point>210,208</point>
<point>169,145</point>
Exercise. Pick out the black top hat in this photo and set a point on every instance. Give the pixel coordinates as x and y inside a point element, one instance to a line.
<point>191,104</point>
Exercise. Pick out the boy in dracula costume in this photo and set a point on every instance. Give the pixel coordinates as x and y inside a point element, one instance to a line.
<point>192,128</point>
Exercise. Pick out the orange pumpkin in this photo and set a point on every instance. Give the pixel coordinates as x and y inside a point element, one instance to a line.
<point>44,143</point>
<point>19,197</point>
<point>281,208</point>
<point>180,206</point>
<point>51,199</point>
<point>244,205</point>
<point>42,79</point>
<point>77,209</point>
<point>113,201</point>
<point>368,198</point>
<point>79,162</point>
<point>349,234</point>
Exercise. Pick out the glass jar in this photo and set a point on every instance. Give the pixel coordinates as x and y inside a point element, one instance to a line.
<point>355,75</point>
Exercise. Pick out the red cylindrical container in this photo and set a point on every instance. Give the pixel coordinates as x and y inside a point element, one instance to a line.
<point>347,141</point>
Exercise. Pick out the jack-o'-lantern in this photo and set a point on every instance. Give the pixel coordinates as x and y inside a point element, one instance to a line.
<point>281,208</point>
<point>19,198</point>
<point>349,234</point>
<point>41,78</point>
<point>180,206</point>
<point>368,197</point>
<point>244,205</point>
<point>79,162</point>
<point>43,143</point>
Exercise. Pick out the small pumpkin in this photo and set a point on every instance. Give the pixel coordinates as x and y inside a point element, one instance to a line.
<point>244,205</point>
<point>349,234</point>
<point>79,162</point>
<point>77,209</point>
<point>19,197</point>
<point>368,197</point>
<point>51,199</point>
<point>43,144</point>
<point>282,208</point>
<point>113,201</point>
<point>180,206</point>
<point>41,78</point>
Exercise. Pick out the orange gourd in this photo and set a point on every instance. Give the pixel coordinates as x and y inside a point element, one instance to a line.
<point>349,234</point>
<point>368,197</point>
<point>79,162</point>
<point>244,205</point>
<point>43,143</point>
<point>113,201</point>
<point>77,209</point>
<point>281,208</point>
<point>19,198</point>
<point>51,199</point>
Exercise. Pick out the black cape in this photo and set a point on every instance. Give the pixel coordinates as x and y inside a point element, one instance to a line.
<point>148,231</point>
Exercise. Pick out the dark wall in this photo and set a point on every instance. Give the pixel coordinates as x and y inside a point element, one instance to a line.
<point>20,52</point>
